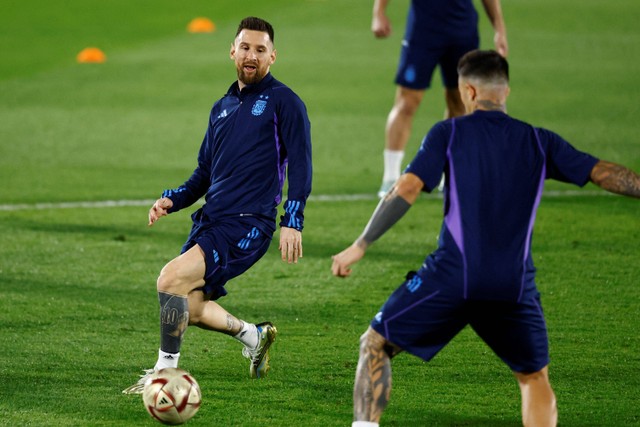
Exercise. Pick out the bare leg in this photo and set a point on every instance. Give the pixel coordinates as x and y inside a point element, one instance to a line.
<point>538,400</point>
<point>455,107</point>
<point>211,316</point>
<point>373,378</point>
<point>400,117</point>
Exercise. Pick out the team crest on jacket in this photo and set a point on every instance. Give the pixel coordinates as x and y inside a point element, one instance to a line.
<point>259,106</point>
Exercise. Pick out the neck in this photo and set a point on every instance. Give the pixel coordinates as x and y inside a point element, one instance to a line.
<point>490,105</point>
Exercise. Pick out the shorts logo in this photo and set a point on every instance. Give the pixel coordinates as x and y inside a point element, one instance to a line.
<point>378,317</point>
<point>410,74</point>
<point>414,283</point>
<point>260,105</point>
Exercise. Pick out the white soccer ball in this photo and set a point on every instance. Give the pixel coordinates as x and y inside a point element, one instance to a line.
<point>171,396</point>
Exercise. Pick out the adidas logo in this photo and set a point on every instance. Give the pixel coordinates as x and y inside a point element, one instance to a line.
<point>168,357</point>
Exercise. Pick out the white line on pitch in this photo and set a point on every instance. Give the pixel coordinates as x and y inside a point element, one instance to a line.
<point>312,198</point>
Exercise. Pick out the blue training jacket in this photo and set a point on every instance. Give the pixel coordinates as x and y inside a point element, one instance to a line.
<point>255,138</point>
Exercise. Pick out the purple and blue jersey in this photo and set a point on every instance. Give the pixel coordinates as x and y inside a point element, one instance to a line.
<point>482,273</point>
<point>495,167</point>
<point>256,138</point>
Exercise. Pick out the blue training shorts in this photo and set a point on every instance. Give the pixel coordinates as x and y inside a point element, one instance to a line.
<point>421,318</point>
<point>230,247</point>
<point>418,62</point>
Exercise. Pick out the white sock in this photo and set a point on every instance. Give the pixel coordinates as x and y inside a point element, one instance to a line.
<point>364,424</point>
<point>166,360</point>
<point>248,335</point>
<point>392,164</point>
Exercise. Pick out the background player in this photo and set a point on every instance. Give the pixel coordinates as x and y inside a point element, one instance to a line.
<point>254,131</point>
<point>438,32</point>
<point>482,272</point>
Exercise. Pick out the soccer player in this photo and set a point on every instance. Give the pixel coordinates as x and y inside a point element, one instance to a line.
<point>482,272</point>
<point>438,32</point>
<point>258,133</point>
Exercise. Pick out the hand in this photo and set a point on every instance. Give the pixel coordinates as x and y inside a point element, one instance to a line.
<point>500,42</point>
<point>290,244</point>
<point>381,26</point>
<point>343,261</point>
<point>159,209</point>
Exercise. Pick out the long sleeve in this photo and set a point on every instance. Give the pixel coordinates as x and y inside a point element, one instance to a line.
<point>295,132</point>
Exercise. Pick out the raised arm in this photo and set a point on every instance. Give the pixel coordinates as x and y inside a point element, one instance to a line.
<point>389,211</point>
<point>494,12</point>
<point>616,179</point>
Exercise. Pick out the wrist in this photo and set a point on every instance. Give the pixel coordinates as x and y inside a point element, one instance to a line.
<point>361,243</point>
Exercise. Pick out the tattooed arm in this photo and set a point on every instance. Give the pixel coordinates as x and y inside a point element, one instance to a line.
<point>390,209</point>
<point>616,179</point>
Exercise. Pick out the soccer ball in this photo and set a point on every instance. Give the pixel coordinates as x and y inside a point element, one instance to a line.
<point>171,396</point>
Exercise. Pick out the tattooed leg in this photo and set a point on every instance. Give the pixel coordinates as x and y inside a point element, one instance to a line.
<point>373,377</point>
<point>212,316</point>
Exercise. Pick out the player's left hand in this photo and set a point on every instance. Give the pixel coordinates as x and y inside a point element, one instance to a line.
<point>290,244</point>
<point>342,262</point>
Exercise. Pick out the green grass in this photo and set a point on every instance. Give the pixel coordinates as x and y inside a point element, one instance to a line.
<point>78,305</point>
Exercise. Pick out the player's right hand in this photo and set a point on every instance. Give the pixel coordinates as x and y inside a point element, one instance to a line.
<point>381,26</point>
<point>159,209</point>
<point>342,262</point>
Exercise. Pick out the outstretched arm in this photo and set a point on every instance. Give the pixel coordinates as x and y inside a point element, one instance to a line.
<point>390,209</point>
<point>616,179</point>
<point>494,12</point>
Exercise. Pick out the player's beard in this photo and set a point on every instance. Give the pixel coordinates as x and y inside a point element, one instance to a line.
<point>251,80</point>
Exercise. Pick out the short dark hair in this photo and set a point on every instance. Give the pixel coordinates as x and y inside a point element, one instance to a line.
<point>256,24</point>
<point>486,65</point>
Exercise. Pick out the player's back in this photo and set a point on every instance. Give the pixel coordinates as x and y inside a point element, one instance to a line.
<point>496,174</point>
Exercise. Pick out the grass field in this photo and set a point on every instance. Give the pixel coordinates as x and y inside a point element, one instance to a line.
<point>78,304</point>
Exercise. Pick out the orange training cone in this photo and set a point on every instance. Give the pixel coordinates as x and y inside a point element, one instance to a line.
<point>201,25</point>
<point>91,55</point>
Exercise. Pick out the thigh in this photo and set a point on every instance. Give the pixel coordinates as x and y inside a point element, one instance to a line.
<point>184,273</point>
<point>516,332</point>
<point>229,250</point>
<point>416,66</point>
<point>420,317</point>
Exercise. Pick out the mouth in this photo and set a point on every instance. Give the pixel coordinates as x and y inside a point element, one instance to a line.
<point>248,68</point>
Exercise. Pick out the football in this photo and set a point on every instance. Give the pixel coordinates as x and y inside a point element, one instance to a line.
<point>171,396</point>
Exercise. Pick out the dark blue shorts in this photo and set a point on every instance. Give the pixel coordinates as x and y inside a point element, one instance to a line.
<point>421,318</point>
<point>418,62</point>
<point>230,247</point>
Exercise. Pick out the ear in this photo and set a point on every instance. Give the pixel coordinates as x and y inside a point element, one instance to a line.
<point>273,56</point>
<point>232,51</point>
<point>472,91</point>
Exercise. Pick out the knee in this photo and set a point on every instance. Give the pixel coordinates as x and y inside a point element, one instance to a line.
<point>407,102</point>
<point>170,280</point>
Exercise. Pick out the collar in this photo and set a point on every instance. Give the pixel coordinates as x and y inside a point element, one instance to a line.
<point>489,113</point>
<point>234,89</point>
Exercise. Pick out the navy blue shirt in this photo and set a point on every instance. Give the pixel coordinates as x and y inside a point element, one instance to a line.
<point>494,167</point>
<point>255,138</point>
<point>451,19</point>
